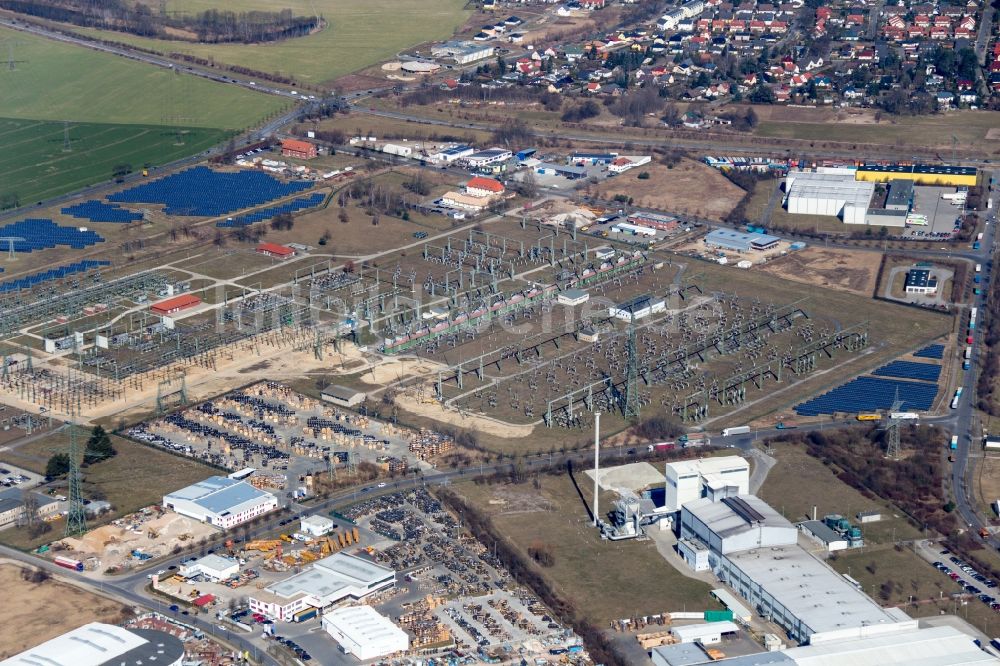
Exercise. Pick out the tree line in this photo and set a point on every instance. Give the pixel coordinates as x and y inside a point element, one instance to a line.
<point>211,26</point>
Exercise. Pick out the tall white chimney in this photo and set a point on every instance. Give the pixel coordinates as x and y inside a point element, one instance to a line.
<point>597,459</point>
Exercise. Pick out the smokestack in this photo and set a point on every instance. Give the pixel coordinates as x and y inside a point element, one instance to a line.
<point>597,459</point>
<point>814,512</point>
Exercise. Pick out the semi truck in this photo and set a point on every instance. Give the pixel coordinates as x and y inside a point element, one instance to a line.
<point>69,563</point>
<point>904,416</point>
<point>738,430</point>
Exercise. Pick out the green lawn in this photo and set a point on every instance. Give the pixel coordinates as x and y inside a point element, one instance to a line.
<point>359,33</point>
<point>35,166</point>
<point>65,82</point>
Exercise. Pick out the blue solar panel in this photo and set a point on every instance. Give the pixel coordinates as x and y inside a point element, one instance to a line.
<point>202,192</point>
<point>98,211</point>
<point>44,234</point>
<point>29,281</point>
<point>931,351</point>
<point>292,206</point>
<point>866,394</point>
<point>927,372</point>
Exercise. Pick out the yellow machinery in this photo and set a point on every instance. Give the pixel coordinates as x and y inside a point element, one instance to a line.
<point>263,545</point>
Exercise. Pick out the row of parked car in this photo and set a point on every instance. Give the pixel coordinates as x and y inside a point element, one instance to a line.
<point>970,572</point>
<point>294,647</point>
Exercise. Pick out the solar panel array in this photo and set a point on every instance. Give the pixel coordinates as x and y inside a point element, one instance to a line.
<point>202,192</point>
<point>98,211</point>
<point>42,234</point>
<point>292,206</point>
<point>29,281</point>
<point>868,394</point>
<point>928,372</point>
<point>931,351</point>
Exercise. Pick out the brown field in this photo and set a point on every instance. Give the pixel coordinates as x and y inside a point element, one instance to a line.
<point>844,270</point>
<point>988,480</point>
<point>799,482</point>
<point>690,187</point>
<point>34,613</point>
<point>605,580</point>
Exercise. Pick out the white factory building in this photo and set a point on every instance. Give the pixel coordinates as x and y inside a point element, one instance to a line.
<point>212,567</point>
<point>688,480</point>
<point>735,524</point>
<point>221,501</point>
<point>330,580</point>
<point>362,632</point>
<point>833,192</point>
<point>639,307</point>
<point>99,644</point>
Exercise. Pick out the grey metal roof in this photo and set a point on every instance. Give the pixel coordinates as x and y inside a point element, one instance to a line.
<point>218,494</point>
<point>900,193</point>
<point>822,531</point>
<point>341,392</point>
<point>728,518</point>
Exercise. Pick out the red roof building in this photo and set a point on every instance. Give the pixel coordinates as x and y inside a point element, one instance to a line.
<point>275,250</point>
<point>295,148</point>
<point>204,600</point>
<point>484,187</point>
<point>175,304</point>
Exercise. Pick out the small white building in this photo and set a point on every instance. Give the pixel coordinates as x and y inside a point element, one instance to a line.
<point>396,149</point>
<point>343,396</point>
<point>824,535</point>
<point>212,567</point>
<point>316,526</point>
<point>362,632</point>
<point>637,308</point>
<point>573,297</point>
<point>221,501</point>
<point>694,553</point>
<point>708,633</point>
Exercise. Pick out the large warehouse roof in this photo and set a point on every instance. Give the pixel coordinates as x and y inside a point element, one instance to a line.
<point>364,624</point>
<point>333,577</point>
<point>839,187</point>
<point>217,494</point>
<point>707,466</point>
<point>735,515</point>
<point>98,644</point>
<point>932,646</point>
<point>814,593</point>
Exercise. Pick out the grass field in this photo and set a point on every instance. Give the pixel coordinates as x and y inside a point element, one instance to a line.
<point>36,167</point>
<point>359,33</point>
<point>605,580</point>
<point>138,476</point>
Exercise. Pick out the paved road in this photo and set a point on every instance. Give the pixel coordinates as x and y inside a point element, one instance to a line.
<point>985,30</point>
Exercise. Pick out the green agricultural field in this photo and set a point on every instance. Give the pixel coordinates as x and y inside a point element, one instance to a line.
<point>60,82</point>
<point>359,33</point>
<point>35,166</point>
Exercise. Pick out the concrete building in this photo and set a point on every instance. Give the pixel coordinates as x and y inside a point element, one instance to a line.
<point>567,171</point>
<point>694,553</point>
<point>220,501</point>
<point>12,505</point>
<point>343,396</point>
<point>212,567</point>
<point>99,644</point>
<point>316,526</point>
<point>639,307</point>
<point>822,534</point>
<point>740,242</point>
<point>298,148</point>
<point>930,646</point>
<point>452,154</point>
<point>824,193</point>
<point>362,632</point>
<point>735,524</point>
<point>885,217</point>
<point>689,480</point>
<point>487,157</point>
<point>326,582</point>
<point>707,633</point>
<point>920,281</point>
<point>573,297</point>
<point>633,229</point>
<point>900,195</point>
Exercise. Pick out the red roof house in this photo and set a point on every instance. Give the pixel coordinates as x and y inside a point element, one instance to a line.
<point>175,304</point>
<point>297,148</point>
<point>275,250</point>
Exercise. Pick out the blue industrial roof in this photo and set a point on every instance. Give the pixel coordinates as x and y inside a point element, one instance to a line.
<point>218,494</point>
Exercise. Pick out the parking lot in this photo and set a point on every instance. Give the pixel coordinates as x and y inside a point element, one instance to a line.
<point>282,434</point>
<point>16,477</point>
<point>941,214</point>
<point>967,579</point>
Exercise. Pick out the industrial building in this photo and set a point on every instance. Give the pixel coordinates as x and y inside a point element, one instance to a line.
<point>452,153</point>
<point>362,632</point>
<point>176,304</point>
<point>275,251</point>
<point>822,534</point>
<point>12,505</point>
<point>567,171</point>
<point>832,192</point>
<point>921,174</point>
<point>343,396</point>
<point>900,195</point>
<point>212,567</point>
<point>221,501</point>
<point>487,157</point>
<point>297,148</point>
<point>637,308</point>
<point>462,52</point>
<point>920,281</point>
<point>99,644</point>
<point>315,526</point>
<point>572,297</point>
<point>689,480</point>
<point>740,242</point>
<point>633,229</point>
<point>886,217</point>
<point>653,220</point>
<point>330,580</point>
<point>734,524</point>
<point>707,633</point>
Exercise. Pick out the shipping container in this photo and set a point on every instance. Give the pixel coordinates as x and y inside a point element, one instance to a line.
<point>738,430</point>
<point>304,615</point>
<point>869,417</point>
<point>718,616</point>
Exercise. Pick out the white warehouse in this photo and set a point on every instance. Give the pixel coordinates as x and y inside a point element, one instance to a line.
<point>221,501</point>
<point>822,193</point>
<point>735,524</point>
<point>362,632</point>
